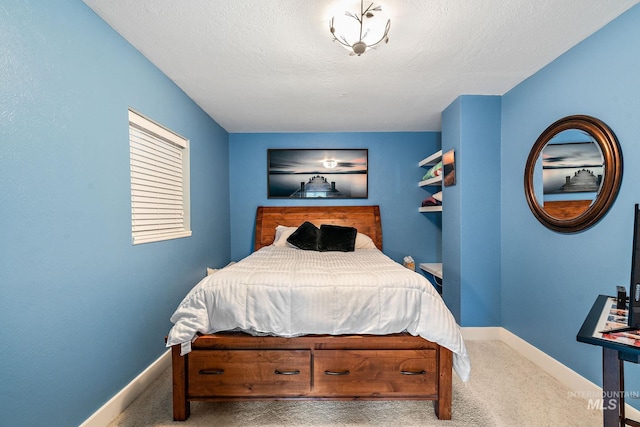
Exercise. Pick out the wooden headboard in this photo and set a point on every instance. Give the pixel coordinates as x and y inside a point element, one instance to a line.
<point>365,218</point>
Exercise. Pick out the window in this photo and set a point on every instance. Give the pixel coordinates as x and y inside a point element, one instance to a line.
<point>159,182</point>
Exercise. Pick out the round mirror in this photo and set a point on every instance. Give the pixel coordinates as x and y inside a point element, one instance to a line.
<point>573,173</point>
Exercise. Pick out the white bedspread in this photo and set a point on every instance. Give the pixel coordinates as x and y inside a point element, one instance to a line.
<point>290,292</point>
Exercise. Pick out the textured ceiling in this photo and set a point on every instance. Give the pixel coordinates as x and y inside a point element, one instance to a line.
<point>271,65</point>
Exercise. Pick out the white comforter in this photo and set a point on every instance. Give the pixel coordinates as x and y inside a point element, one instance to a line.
<point>290,292</point>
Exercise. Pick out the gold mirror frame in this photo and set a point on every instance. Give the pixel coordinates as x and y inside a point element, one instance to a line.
<point>612,162</point>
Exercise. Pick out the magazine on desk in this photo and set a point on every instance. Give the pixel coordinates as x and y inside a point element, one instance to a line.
<point>615,318</point>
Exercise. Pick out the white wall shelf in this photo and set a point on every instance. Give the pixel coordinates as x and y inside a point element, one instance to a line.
<point>430,208</point>
<point>433,268</point>
<point>431,160</point>
<point>431,181</point>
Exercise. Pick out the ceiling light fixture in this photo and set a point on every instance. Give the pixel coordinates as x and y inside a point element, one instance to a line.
<point>368,33</point>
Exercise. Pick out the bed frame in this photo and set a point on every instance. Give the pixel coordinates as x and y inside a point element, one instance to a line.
<point>234,366</point>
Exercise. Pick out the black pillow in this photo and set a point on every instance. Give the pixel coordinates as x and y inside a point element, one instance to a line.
<point>305,237</point>
<point>337,238</point>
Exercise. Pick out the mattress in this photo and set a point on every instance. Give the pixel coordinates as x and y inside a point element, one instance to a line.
<point>291,292</point>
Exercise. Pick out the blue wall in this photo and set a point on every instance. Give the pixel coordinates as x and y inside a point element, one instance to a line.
<point>393,184</point>
<point>83,311</point>
<point>471,214</point>
<point>550,280</point>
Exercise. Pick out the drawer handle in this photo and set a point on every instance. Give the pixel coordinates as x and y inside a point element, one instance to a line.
<point>337,372</point>
<point>413,372</point>
<point>279,372</point>
<point>211,371</point>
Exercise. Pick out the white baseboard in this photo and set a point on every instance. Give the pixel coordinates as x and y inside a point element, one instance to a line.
<point>482,334</point>
<point>575,382</point>
<point>118,403</point>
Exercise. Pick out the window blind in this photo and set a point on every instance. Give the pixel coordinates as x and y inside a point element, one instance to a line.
<point>157,182</point>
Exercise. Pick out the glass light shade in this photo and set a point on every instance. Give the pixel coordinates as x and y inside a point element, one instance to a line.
<point>359,37</point>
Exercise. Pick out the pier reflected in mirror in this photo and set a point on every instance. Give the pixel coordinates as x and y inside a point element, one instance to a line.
<point>573,173</point>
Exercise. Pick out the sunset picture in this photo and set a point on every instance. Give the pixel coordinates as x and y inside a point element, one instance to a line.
<point>317,173</point>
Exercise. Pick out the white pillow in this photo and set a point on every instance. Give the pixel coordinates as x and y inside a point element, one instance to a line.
<point>364,242</point>
<point>282,234</point>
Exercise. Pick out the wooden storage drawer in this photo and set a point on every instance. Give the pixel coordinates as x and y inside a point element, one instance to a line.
<point>375,373</point>
<point>249,373</point>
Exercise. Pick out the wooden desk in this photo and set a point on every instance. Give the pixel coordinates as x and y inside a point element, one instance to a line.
<point>614,353</point>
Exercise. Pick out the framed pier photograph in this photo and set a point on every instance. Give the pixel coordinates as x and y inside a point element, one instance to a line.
<point>317,173</point>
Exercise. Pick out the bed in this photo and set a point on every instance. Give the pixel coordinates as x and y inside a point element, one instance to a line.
<point>267,328</point>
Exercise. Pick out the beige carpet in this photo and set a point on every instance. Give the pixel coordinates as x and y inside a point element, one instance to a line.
<point>505,389</point>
